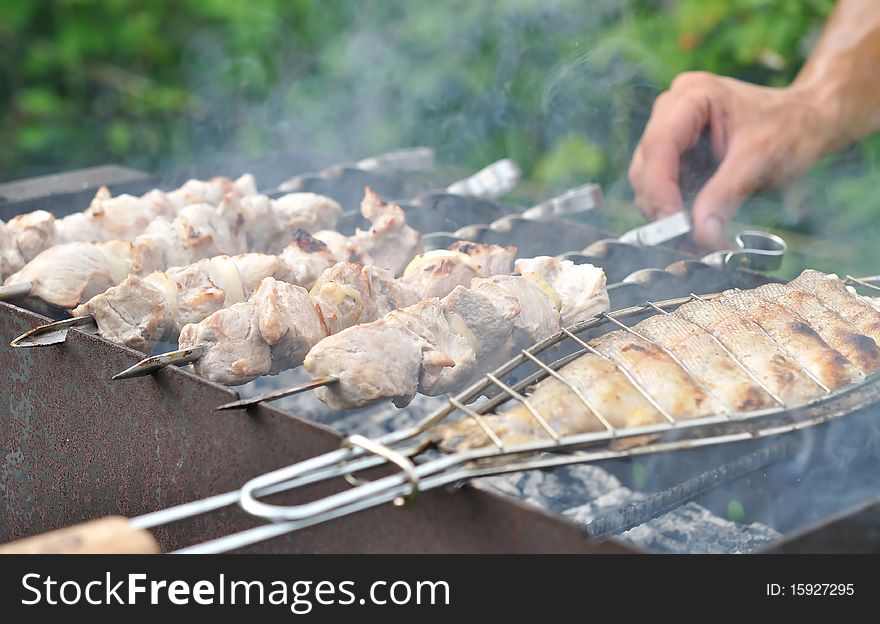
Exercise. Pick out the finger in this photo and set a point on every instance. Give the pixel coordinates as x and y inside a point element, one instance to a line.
<point>737,178</point>
<point>674,128</point>
<point>634,174</point>
<point>655,197</point>
<point>653,202</point>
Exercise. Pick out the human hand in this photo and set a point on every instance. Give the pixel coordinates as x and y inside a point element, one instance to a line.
<point>762,137</point>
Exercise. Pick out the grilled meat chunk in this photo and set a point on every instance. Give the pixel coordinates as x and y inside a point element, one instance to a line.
<point>447,355</point>
<point>493,259</point>
<point>234,345</point>
<point>291,320</point>
<point>139,312</point>
<point>120,217</point>
<point>382,360</point>
<point>538,316</point>
<point>274,221</point>
<point>107,217</point>
<point>349,293</point>
<point>33,233</point>
<point>437,272</point>
<point>306,258</point>
<point>465,334</point>
<point>11,259</point>
<point>389,242</point>
<point>66,274</point>
<point>570,281</point>
<point>211,191</point>
<point>199,231</point>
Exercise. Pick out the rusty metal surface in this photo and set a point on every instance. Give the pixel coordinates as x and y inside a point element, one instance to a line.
<point>75,446</point>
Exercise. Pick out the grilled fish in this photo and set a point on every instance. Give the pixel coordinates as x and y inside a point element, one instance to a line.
<point>679,394</point>
<point>705,358</point>
<point>745,351</point>
<point>833,293</point>
<point>796,338</point>
<point>839,333</point>
<point>606,390</point>
<point>757,351</point>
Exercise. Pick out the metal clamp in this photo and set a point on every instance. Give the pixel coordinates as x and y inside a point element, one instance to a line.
<point>757,250</point>
<point>408,468</point>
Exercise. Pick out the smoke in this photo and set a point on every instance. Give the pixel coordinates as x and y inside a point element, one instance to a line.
<point>477,81</point>
<point>530,79</point>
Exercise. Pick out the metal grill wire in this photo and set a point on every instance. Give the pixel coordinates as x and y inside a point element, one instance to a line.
<point>502,392</point>
<point>556,450</point>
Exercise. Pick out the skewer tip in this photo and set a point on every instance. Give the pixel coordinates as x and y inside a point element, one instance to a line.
<point>235,405</point>
<point>157,362</point>
<point>53,333</point>
<point>317,382</point>
<point>130,373</point>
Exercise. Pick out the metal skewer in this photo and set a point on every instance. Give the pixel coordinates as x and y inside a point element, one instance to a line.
<point>187,356</point>
<point>14,291</point>
<point>404,448</point>
<point>864,281</point>
<point>317,382</point>
<point>53,333</point>
<point>504,173</point>
<point>496,179</point>
<point>153,363</point>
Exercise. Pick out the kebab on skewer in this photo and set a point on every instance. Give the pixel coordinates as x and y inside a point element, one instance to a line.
<point>126,216</point>
<point>65,275</point>
<point>233,349</point>
<point>140,311</point>
<point>440,345</point>
<point>107,218</point>
<point>594,392</point>
<point>279,323</point>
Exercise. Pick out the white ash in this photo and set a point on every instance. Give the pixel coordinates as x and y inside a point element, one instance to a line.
<point>694,529</point>
<point>690,528</point>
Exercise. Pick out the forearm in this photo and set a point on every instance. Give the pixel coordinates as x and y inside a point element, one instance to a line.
<point>842,75</point>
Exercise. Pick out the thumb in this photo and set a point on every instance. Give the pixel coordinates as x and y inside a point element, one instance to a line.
<point>721,196</point>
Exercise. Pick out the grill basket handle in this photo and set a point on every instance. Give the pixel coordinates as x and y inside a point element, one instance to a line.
<point>106,536</point>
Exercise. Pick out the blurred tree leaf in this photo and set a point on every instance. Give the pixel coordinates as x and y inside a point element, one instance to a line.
<point>573,158</point>
<point>564,86</point>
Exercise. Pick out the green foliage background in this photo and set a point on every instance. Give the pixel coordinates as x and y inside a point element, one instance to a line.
<point>563,86</point>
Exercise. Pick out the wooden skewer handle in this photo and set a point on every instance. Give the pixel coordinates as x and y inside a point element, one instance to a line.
<point>108,536</point>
